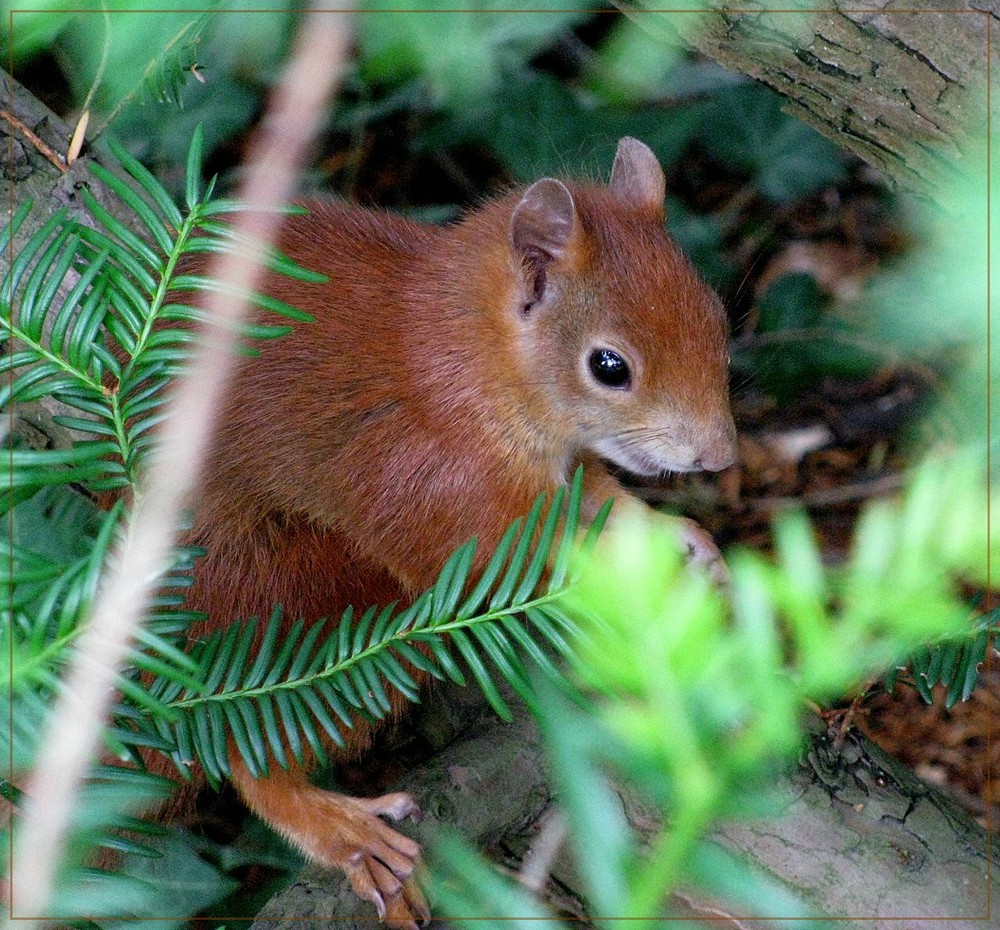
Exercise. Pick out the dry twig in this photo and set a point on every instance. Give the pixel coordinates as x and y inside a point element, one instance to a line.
<point>46,150</point>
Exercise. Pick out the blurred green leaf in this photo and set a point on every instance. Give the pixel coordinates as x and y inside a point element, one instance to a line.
<point>745,129</point>
<point>29,27</point>
<point>110,801</point>
<point>463,885</point>
<point>934,303</point>
<point>632,64</point>
<point>130,51</point>
<point>185,883</point>
<point>460,54</point>
<point>700,236</point>
<point>238,54</point>
<point>50,530</point>
<point>793,301</point>
<point>799,341</point>
<point>539,125</point>
<point>600,836</point>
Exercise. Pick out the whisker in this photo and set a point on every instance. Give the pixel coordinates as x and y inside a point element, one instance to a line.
<point>737,294</point>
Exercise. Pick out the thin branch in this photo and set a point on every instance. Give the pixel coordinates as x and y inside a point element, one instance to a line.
<point>52,155</point>
<point>73,739</point>
<point>536,867</point>
<point>831,497</point>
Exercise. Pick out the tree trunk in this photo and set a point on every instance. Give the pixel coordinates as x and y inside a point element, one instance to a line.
<point>29,164</point>
<point>898,86</point>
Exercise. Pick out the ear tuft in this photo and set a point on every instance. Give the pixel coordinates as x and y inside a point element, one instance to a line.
<point>542,223</point>
<point>636,176</point>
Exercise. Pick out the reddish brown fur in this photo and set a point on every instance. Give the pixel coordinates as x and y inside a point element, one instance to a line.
<point>423,407</point>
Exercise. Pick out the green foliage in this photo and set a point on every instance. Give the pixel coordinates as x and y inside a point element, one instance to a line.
<point>89,304</point>
<point>109,810</point>
<point>634,64</point>
<point>278,700</point>
<point>464,884</point>
<point>102,349</point>
<point>62,528</point>
<point>154,75</point>
<point>933,305</point>
<point>954,665</point>
<point>43,621</point>
<point>180,880</point>
<point>552,119</point>
<point>746,129</point>
<point>184,874</point>
<point>33,28</point>
<point>793,623</point>
<point>225,97</point>
<point>114,51</point>
<point>477,78</point>
<point>107,815</point>
<point>459,56</point>
<point>110,56</point>
<point>697,706</point>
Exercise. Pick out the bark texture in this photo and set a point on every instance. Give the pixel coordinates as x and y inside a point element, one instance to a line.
<point>898,82</point>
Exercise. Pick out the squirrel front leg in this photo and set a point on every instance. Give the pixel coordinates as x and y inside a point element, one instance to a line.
<point>701,550</point>
<point>311,572</point>
<point>344,833</point>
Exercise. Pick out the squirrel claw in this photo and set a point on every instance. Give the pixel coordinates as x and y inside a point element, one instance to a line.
<point>413,904</point>
<point>380,865</point>
<point>398,902</point>
<point>395,806</point>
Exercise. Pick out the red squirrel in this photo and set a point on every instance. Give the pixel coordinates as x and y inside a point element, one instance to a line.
<point>451,375</point>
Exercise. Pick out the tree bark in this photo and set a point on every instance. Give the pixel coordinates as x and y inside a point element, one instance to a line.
<point>898,83</point>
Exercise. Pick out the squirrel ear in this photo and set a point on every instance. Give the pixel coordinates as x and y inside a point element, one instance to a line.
<point>542,223</point>
<point>636,176</point>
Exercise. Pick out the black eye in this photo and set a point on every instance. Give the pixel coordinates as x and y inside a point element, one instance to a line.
<point>609,368</point>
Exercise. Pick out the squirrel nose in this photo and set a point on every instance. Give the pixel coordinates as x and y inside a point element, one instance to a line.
<point>715,462</point>
<point>719,454</point>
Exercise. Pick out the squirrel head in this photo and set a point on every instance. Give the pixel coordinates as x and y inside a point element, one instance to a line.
<point>627,346</point>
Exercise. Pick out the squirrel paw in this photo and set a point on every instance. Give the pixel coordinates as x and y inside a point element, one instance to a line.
<point>399,901</point>
<point>702,551</point>
<point>378,860</point>
<point>345,833</point>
